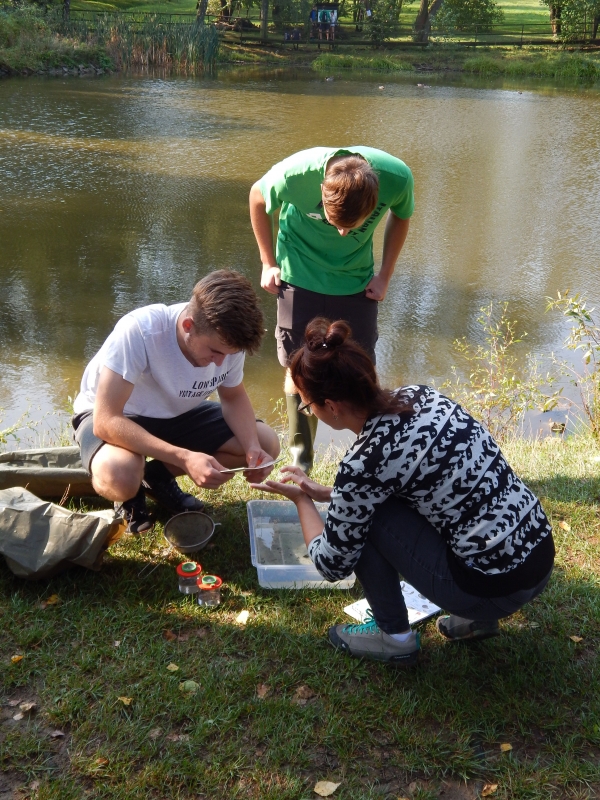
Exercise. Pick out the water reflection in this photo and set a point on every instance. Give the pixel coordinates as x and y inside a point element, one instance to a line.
<point>122,191</point>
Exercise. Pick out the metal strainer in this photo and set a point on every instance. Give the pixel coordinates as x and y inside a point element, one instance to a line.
<point>190,531</point>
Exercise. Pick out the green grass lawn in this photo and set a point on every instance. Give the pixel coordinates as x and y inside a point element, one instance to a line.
<point>276,709</point>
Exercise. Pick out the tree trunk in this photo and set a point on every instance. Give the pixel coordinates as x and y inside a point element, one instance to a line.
<point>264,23</point>
<point>555,12</point>
<point>595,25</point>
<point>67,9</point>
<point>201,7</point>
<point>424,17</point>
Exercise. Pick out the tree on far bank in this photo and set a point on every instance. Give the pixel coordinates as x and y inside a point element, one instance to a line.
<point>574,20</point>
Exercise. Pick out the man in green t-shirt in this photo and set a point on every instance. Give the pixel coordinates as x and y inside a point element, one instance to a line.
<point>330,201</point>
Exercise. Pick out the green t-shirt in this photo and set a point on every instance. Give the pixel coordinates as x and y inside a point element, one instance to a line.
<point>310,251</point>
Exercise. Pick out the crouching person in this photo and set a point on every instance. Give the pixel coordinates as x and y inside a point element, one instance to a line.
<point>143,395</point>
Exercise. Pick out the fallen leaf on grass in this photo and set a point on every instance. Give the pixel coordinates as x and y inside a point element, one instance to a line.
<point>489,789</point>
<point>154,733</point>
<point>101,762</point>
<point>53,600</point>
<point>34,786</point>
<point>169,636</point>
<point>16,659</point>
<point>116,643</point>
<point>576,639</point>
<point>302,695</point>
<point>325,788</point>
<point>13,703</point>
<point>127,701</point>
<point>564,525</point>
<point>183,637</point>
<point>505,747</point>
<point>56,734</point>
<point>176,637</point>
<point>201,633</point>
<point>177,737</point>
<point>18,716</point>
<point>242,617</point>
<point>27,707</point>
<point>172,667</point>
<point>262,691</point>
<point>190,687</point>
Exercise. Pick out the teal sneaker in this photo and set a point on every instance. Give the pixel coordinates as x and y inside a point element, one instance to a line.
<point>457,629</point>
<point>369,641</point>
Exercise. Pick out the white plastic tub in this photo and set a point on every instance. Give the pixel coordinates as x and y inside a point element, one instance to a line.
<point>278,550</point>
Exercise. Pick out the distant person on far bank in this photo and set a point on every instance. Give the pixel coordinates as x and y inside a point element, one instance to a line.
<point>330,200</point>
<point>144,395</point>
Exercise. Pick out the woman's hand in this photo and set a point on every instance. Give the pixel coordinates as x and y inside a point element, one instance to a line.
<point>314,490</point>
<point>292,492</point>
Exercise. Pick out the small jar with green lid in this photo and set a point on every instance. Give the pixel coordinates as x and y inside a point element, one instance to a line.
<point>209,590</point>
<point>188,573</point>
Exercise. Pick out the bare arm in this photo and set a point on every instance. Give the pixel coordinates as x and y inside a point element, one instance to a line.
<point>396,231</point>
<point>239,415</point>
<point>263,232</point>
<point>111,425</point>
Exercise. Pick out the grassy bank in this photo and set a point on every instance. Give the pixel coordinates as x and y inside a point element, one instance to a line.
<point>276,709</point>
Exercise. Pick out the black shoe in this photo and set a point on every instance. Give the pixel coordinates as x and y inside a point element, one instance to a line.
<point>457,629</point>
<point>162,487</point>
<point>134,511</point>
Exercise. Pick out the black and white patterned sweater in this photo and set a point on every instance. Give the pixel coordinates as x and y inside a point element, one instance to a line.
<point>445,465</point>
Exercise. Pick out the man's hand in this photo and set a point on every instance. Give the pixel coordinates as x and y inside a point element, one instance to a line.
<point>255,458</point>
<point>376,288</point>
<point>205,470</point>
<point>270,279</point>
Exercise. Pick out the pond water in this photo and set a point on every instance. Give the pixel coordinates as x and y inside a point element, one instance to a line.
<point>124,190</point>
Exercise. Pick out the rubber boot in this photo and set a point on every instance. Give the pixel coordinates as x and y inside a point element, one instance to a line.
<point>302,430</point>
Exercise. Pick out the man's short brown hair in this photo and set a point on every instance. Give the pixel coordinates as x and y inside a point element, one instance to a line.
<point>350,189</point>
<point>224,302</point>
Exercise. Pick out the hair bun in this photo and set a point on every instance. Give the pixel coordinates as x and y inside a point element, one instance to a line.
<point>321,334</point>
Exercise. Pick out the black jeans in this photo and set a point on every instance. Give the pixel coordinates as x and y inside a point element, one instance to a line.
<point>401,541</point>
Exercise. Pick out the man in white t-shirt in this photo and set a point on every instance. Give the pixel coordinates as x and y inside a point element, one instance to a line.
<point>144,395</point>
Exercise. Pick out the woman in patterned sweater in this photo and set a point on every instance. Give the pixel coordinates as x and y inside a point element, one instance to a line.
<point>424,492</point>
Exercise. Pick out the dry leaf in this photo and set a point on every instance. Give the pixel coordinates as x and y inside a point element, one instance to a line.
<point>576,639</point>
<point>116,643</point>
<point>262,691</point>
<point>242,617</point>
<point>18,716</point>
<point>56,734</point>
<point>172,667</point>
<point>302,695</point>
<point>34,786</point>
<point>506,747</point>
<point>325,788</point>
<point>53,600</point>
<point>201,633</point>
<point>127,701</point>
<point>154,733</point>
<point>27,707</point>
<point>177,737</point>
<point>191,687</point>
<point>16,659</point>
<point>13,703</point>
<point>489,789</point>
<point>183,637</point>
<point>564,525</point>
<point>169,636</point>
<point>101,762</point>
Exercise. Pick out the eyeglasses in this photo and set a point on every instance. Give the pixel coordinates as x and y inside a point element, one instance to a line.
<point>305,408</point>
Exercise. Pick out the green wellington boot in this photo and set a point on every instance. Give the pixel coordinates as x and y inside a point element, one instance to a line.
<point>302,430</point>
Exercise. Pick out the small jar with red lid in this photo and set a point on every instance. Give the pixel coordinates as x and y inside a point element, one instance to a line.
<point>188,573</point>
<point>209,590</point>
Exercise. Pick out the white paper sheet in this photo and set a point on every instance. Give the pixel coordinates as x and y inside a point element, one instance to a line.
<point>418,606</point>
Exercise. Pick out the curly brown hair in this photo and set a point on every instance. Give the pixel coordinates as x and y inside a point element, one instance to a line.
<point>224,302</point>
<point>350,189</point>
<point>332,366</point>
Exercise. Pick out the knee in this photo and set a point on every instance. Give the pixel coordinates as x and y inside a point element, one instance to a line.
<point>268,439</point>
<point>118,478</point>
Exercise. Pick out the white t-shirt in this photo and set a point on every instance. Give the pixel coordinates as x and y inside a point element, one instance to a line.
<point>143,349</point>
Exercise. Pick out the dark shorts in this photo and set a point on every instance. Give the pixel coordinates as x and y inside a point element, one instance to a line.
<point>202,430</point>
<point>296,307</point>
